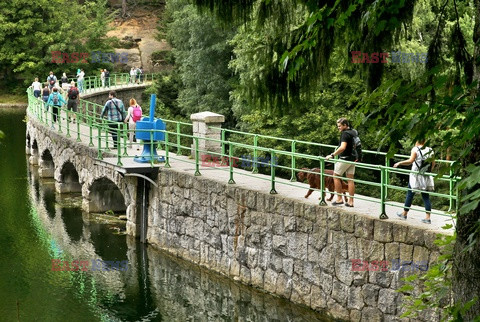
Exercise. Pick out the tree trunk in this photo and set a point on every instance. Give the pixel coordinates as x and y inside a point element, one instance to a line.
<point>466,268</point>
<point>124,8</point>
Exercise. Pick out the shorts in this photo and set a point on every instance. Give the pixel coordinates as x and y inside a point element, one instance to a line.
<point>72,105</point>
<point>341,168</point>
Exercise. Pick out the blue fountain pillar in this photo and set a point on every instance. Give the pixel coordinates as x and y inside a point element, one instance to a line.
<point>143,132</point>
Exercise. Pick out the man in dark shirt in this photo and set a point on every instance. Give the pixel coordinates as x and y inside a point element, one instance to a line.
<point>345,152</point>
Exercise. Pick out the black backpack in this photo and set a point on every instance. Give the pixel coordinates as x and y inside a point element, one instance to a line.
<point>73,93</point>
<point>52,80</point>
<point>357,146</point>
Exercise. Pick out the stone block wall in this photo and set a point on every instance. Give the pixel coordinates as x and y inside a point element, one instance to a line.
<point>298,251</point>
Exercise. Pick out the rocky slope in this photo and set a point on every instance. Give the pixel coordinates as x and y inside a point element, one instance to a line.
<point>139,31</point>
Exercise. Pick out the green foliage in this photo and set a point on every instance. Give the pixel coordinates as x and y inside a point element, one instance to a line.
<point>437,286</point>
<point>30,31</point>
<point>202,53</point>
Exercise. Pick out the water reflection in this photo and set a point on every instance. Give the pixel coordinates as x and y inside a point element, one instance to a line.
<point>156,286</point>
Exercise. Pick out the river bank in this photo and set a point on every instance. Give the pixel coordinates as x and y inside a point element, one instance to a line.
<point>15,105</point>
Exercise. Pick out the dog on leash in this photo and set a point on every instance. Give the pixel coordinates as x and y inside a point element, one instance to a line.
<point>314,182</point>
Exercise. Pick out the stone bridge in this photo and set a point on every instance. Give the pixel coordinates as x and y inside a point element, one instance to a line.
<point>283,244</point>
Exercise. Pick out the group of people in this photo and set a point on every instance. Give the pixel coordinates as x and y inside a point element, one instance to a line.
<point>105,77</point>
<point>346,152</point>
<point>136,75</point>
<point>51,94</point>
<point>114,110</point>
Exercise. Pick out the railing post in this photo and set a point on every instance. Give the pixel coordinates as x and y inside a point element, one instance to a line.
<point>322,182</point>
<point>272,172</point>
<point>178,139</point>
<point>451,188</point>
<point>106,124</point>
<point>255,154</point>
<point>387,179</point>
<point>125,135</point>
<point>59,119</point>
<point>119,146</point>
<point>167,158</point>
<point>293,177</point>
<point>68,124</point>
<point>230,163</point>
<point>197,158</point>
<point>78,127</point>
<point>383,189</point>
<point>223,142</point>
<point>99,127</point>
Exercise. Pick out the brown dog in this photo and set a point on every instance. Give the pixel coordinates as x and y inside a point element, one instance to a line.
<point>314,182</point>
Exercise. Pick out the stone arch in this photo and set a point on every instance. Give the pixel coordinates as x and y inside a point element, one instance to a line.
<point>104,195</point>
<point>68,179</point>
<point>47,166</point>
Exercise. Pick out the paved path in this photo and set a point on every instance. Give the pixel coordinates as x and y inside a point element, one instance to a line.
<point>260,182</point>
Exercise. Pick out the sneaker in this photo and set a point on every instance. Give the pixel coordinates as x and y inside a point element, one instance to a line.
<point>401,216</point>
<point>426,221</point>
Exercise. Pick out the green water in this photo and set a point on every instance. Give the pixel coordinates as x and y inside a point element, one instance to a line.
<point>38,225</point>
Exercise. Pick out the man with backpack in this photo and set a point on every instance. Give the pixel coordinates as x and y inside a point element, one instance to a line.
<point>55,100</point>
<point>51,80</point>
<point>73,99</point>
<point>115,112</point>
<point>349,149</point>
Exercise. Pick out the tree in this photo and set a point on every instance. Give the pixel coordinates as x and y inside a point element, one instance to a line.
<point>32,30</point>
<point>202,54</point>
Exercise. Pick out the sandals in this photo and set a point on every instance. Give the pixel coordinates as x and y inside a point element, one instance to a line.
<point>348,205</point>
<point>337,203</point>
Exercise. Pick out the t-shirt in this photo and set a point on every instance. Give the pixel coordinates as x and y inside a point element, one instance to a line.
<point>37,86</point>
<point>347,136</point>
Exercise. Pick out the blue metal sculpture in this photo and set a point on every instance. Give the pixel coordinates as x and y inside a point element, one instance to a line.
<point>150,139</point>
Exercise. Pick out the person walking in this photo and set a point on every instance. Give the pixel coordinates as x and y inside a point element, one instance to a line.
<point>45,94</point>
<point>80,80</point>
<point>345,152</point>
<point>115,111</point>
<point>102,77</point>
<point>37,88</point>
<point>107,77</point>
<point>64,82</point>
<point>55,100</point>
<point>51,80</point>
<point>134,114</point>
<point>132,75</point>
<point>418,181</point>
<point>73,99</point>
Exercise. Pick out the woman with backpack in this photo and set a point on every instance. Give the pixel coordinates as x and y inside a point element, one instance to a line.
<point>134,114</point>
<point>419,157</point>
<point>55,100</point>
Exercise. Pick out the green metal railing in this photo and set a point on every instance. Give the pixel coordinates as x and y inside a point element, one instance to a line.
<point>98,135</point>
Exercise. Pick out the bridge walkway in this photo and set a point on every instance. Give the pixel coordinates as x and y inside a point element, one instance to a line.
<point>260,182</point>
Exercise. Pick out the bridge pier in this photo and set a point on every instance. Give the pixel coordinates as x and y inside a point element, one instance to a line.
<point>33,159</point>
<point>46,166</point>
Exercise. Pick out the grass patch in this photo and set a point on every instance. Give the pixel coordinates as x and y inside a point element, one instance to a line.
<point>8,98</point>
